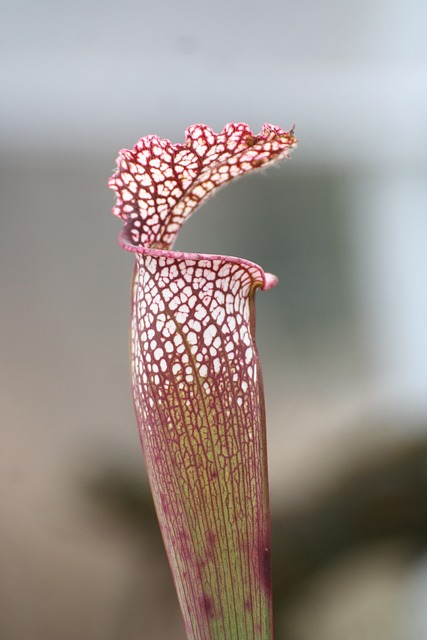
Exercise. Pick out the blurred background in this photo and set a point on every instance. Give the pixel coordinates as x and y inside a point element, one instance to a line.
<point>343,338</point>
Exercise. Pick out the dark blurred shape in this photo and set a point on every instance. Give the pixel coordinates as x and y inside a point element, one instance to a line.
<point>377,500</point>
<point>125,494</point>
<point>372,500</point>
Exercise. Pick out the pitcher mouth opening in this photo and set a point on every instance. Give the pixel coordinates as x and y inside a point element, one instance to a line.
<point>261,279</point>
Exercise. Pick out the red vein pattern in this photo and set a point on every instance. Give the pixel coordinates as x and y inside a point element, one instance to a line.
<point>196,378</point>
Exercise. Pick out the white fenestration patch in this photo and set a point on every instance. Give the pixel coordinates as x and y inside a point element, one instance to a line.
<point>209,334</point>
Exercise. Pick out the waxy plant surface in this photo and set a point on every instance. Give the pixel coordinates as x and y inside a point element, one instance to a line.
<point>196,378</point>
